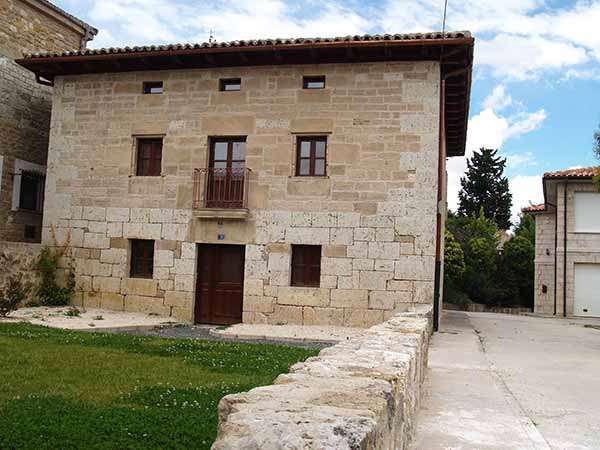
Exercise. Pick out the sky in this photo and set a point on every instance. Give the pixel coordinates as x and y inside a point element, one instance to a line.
<point>536,80</point>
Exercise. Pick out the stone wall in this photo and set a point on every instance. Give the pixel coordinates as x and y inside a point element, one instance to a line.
<point>581,248</point>
<point>373,214</point>
<point>358,394</point>
<point>18,257</point>
<point>544,263</point>
<point>24,104</point>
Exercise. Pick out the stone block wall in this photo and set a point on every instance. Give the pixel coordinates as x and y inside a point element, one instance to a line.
<point>24,104</point>
<point>581,248</point>
<point>360,394</point>
<point>19,258</point>
<point>373,214</point>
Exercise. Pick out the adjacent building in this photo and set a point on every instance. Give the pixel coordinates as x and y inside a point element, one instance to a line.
<point>28,26</point>
<point>567,245</point>
<point>271,181</point>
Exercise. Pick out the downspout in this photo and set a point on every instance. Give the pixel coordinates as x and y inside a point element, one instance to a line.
<point>438,229</point>
<point>555,256</point>
<point>565,252</point>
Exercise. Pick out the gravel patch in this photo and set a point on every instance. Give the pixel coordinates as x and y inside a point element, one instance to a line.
<point>181,331</point>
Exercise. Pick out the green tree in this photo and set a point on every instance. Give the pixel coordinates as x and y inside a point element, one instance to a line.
<point>454,259</point>
<point>484,186</point>
<point>597,153</point>
<point>518,261</point>
<point>526,228</point>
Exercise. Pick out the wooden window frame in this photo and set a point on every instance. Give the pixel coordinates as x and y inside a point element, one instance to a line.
<point>148,86</point>
<point>155,167</point>
<point>224,82</point>
<point>312,156</point>
<point>146,258</point>
<point>306,273</point>
<point>308,79</point>
<point>230,140</point>
<point>39,195</point>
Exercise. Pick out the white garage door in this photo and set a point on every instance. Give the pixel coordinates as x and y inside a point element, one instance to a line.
<point>587,290</point>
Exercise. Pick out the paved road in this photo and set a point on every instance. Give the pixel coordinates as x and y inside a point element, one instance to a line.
<point>511,382</point>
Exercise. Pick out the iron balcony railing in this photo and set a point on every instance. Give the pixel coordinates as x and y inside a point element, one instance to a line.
<point>221,188</point>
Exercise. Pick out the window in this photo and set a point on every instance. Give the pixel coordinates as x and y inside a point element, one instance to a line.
<point>153,87</point>
<point>587,212</point>
<point>149,157</point>
<point>142,258</point>
<point>230,84</point>
<point>317,82</point>
<point>226,173</point>
<point>311,155</point>
<point>31,196</point>
<point>306,265</point>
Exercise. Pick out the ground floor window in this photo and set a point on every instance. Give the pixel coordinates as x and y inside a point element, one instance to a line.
<point>142,258</point>
<point>306,265</point>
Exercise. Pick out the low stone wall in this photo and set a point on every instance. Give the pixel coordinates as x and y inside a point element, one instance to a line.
<point>359,394</point>
<point>18,257</point>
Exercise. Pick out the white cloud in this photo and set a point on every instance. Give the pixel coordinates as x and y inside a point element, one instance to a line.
<point>145,22</point>
<point>525,190</point>
<point>498,99</point>
<point>519,160</point>
<point>490,129</point>
<point>525,57</point>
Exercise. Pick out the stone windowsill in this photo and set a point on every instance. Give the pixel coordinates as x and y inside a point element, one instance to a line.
<point>221,213</point>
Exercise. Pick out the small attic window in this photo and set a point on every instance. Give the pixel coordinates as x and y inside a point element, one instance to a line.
<point>153,87</point>
<point>230,84</point>
<point>313,82</point>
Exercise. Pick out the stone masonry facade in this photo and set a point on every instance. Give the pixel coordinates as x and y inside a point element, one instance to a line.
<point>582,248</point>
<point>26,26</point>
<point>374,214</point>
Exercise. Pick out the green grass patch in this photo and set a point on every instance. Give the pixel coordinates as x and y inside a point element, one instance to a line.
<point>75,390</point>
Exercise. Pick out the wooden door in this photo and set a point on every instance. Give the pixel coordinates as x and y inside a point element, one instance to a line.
<point>220,284</point>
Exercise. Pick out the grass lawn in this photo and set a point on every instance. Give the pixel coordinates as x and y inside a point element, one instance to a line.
<point>66,389</point>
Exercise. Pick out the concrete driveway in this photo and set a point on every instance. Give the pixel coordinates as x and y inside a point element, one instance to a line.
<point>511,382</point>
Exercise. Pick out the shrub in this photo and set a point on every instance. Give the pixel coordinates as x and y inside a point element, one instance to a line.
<point>49,292</point>
<point>13,293</point>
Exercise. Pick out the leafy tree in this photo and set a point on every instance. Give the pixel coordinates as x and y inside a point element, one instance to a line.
<point>597,142</point>
<point>454,259</point>
<point>597,153</point>
<point>526,228</point>
<point>519,254</point>
<point>485,187</point>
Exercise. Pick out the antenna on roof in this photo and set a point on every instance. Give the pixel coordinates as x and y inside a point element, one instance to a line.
<point>211,37</point>
<point>444,20</point>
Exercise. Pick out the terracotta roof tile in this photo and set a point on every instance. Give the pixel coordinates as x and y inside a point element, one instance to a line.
<point>534,208</point>
<point>581,172</point>
<point>277,42</point>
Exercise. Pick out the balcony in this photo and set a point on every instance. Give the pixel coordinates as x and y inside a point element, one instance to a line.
<point>221,193</point>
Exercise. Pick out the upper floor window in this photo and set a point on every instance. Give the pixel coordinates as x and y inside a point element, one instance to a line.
<point>142,258</point>
<point>230,84</point>
<point>587,212</point>
<point>311,156</point>
<point>153,87</point>
<point>31,195</point>
<point>149,157</point>
<point>313,82</point>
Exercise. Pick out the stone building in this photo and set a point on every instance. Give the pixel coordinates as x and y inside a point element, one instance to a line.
<point>567,245</point>
<point>285,181</point>
<point>28,26</point>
